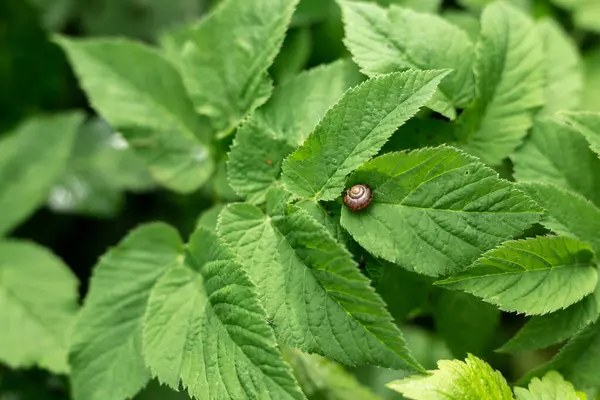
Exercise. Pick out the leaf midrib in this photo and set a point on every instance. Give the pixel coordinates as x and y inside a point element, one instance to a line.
<point>309,269</point>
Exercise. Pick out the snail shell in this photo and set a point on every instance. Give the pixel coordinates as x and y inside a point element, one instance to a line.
<point>358,197</point>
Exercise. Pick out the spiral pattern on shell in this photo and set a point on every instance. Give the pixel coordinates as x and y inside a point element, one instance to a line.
<point>358,197</point>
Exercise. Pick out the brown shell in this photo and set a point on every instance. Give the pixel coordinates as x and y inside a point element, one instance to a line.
<point>358,197</point>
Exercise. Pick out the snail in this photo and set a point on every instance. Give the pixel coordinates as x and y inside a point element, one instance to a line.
<point>358,197</point>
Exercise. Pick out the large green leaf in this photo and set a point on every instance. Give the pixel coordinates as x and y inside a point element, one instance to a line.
<point>533,276</point>
<point>38,302</point>
<point>282,124</point>
<point>556,153</point>
<point>206,328</point>
<point>436,210</point>
<point>101,167</point>
<point>322,379</point>
<point>225,59</point>
<point>564,75</point>
<point>389,41</point>
<point>578,361</point>
<point>141,95</point>
<point>32,157</point>
<point>510,83</point>
<point>551,387</point>
<point>354,130</point>
<point>588,124</point>
<point>472,379</point>
<point>106,345</point>
<point>568,212</point>
<point>546,330</point>
<point>311,288</point>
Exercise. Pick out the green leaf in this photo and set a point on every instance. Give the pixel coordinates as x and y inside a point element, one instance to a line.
<point>464,20</point>
<point>564,75</point>
<point>204,324</point>
<point>466,323</point>
<point>532,276</point>
<point>294,55</point>
<point>436,210</point>
<point>155,391</point>
<point>591,78</point>
<point>389,41</point>
<point>543,331</point>
<point>208,218</point>
<point>588,124</point>
<point>32,157</point>
<point>311,288</point>
<point>282,124</point>
<point>328,215</point>
<point>403,291</point>
<point>550,329</point>
<point>423,6</point>
<point>510,83</point>
<point>141,95</point>
<point>430,42</point>
<point>101,167</point>
<point>551,387</point>
<point>556,153</point>
<point>587,15</point>
<point>354,130</point>
<point>472,379</point>
<point>38,302</point>
<point>226,57</point>
<point>569,213</point>
<point>578,360</point>
<point>322,379</point>
<point>106,345</point>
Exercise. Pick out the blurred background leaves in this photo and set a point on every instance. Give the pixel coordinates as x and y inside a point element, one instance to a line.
<point>104,190</point>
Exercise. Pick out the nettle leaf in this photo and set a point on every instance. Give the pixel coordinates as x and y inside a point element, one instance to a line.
<point>588,124</point>
<point>578,360</point>
<point>556,153</point>
<point>472,379</point>
<point>383,41</point>
<point>510,84</point>
<point>106,345</point>
<point>142,96</point>
<point>552,386</point>
<point>532,276</point>
<point>564,73</point>
<point>32,157</point>
<point>546,330</point>
<point>354,130</point>
<point>208,219</point>
<point>282,124</point>
<point>328,215</point>
<point>435,210</point>
<point>204,324</point>
<point>466,323</point>
<point>311,288</point>
<point>225,60</point>
<point>323,379</point>
<point>568,213</point>
<point>38,302</point>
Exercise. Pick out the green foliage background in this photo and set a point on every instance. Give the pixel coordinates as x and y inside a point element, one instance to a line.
<point>96,190</point>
